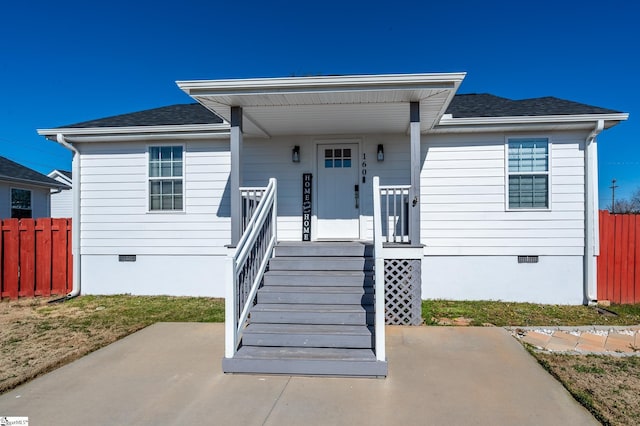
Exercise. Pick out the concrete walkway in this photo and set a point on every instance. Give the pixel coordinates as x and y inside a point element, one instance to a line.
<point>170,374</point>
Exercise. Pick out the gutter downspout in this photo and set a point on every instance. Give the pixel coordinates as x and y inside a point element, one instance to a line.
<point>75,215</point>
<point>591,228</point>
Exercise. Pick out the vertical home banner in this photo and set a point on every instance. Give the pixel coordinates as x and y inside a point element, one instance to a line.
<point>306,206</point>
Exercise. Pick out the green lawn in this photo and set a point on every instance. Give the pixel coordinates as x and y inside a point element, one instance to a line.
<point>504,314</point>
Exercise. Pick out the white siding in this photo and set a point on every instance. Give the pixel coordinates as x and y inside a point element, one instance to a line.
<point>114,212</point>
<point>463,199</point>
<point>61,201</point>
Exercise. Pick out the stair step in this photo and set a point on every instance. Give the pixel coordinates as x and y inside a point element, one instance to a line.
<point>318,278</point>
<point>312,314</point>
<point>303,335</point>
<point>323,295</point>
<point>320,263</point>
<point>305,361</point>
<point>332,249</point>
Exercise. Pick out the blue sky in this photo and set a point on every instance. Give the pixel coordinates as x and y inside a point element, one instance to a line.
<point>64,62</point>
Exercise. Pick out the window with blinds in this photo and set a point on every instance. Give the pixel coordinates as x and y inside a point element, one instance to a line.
<point>528,173</point>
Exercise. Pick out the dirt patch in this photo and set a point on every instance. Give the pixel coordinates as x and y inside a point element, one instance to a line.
<point>36,337</point>
<point>608,386</point>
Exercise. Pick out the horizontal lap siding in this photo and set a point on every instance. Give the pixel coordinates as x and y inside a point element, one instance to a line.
<point>114,202</point>
<point>463,199</point>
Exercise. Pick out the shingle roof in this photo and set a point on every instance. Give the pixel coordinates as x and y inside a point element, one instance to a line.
<point>163,116</point>
<point>462,106</point>
<point>487,105</point>
<point>10,171</point>
<point>66,173</point>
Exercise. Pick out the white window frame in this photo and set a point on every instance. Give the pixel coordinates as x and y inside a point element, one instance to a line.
<point>11,200</point>
<point>507,173</point>
<point>152,178</point>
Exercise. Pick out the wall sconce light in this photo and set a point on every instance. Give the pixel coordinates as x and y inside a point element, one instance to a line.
<point>295,154</point>
<point>380,153</point>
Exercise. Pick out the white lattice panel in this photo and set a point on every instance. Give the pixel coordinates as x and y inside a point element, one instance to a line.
<point>402,284</point>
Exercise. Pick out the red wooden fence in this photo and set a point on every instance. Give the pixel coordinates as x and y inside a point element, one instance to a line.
<point>619,260</point>
<point>35,257</point>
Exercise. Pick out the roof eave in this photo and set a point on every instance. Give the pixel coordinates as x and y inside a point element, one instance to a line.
<point>30,182</point>
<point>139,133</point>
<point>613,118</point>
<point>317,83</point>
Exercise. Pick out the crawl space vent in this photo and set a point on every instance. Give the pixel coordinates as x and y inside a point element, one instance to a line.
<point>527,259</point>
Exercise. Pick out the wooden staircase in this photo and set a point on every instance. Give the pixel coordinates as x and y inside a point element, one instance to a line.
<point>314,314</point>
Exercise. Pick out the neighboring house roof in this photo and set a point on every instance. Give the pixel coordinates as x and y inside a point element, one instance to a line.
<point>164,116</point>
<point>487,105</point>
<point>10,171</point>
<point>61,176</point>
<point>462,106</point>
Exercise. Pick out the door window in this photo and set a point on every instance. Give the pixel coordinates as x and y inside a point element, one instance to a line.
<point>337,158</point>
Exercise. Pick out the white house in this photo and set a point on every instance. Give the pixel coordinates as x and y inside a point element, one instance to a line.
<point>489,198</point>
<point>61,201</point>
<point>25,193</point>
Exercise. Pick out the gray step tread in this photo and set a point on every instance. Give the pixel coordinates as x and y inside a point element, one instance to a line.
<point>320,273</point>
<point>310,329</point>
<point>353,249</point>
<point>306,367</point>
<point>299,307</point>
<point>319,354</point>
<point>317,289</point>
<point>322,258</point>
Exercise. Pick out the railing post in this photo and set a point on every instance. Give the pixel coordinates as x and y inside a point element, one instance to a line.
<point>230,316</point>
<point>380,340</point>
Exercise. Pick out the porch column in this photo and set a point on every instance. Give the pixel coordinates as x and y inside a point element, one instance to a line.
<point>236,174</point>
<point>414,192</point>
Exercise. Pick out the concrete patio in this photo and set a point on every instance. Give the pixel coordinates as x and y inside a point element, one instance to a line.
<point>170,373</point>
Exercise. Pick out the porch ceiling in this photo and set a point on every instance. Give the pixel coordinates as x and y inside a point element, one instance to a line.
<point>328,105</point>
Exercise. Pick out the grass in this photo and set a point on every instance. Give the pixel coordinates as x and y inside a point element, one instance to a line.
<point>36,337</point>
<point>503,314</point>
<point>609,387</point>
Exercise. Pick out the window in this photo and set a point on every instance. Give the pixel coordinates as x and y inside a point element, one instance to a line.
<point>528,173</point>
<point>165,178</point>
<point>337,158</point>
<point>20,203</point>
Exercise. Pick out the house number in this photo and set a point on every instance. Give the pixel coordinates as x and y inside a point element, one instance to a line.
<point>364,167</point>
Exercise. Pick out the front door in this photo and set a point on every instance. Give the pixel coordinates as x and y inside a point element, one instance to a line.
<point>338,192</point>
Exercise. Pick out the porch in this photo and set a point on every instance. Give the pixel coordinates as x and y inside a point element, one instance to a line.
<point>322,309</point>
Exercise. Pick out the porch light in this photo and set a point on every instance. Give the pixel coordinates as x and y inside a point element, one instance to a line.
<point>380,153</point>
<point>295,154</point>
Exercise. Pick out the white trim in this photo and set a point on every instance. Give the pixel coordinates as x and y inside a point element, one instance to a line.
<point>328,83</point>
<point>183,178</point>
<point>447,121</point>
<point>177,128</point>
<point>548,173</point>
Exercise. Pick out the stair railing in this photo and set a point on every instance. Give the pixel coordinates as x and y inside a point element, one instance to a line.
<point>380,340</point>
<point>395,213</point>
<point>247,264</point>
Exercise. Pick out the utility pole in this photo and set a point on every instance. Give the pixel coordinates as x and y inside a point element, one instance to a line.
<point>613,195</point>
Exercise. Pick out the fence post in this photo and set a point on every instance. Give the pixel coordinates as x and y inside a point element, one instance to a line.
<point>11,240</point>
<point>27,258</point>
